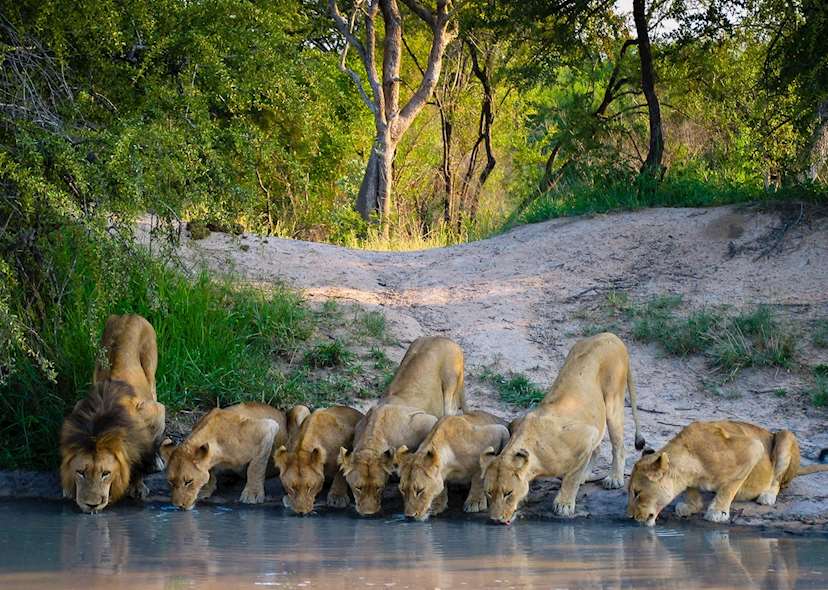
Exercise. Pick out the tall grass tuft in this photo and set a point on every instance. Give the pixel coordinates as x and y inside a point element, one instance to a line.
<point>216,340</point>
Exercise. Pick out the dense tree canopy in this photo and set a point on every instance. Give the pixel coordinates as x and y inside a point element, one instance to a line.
<point>248,114</point>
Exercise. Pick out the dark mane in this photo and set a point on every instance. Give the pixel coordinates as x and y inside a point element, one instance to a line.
<point>100,413</point>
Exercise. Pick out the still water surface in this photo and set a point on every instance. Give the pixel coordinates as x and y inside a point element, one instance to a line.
<point>50,545</point>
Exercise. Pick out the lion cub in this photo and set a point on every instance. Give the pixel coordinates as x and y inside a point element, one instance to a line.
<point>427,385</point>
<point>560,437</point>
<point>232,438</point>
<point>110,438</point>
<point>736,460</point>
<point>449,454</point>
<point>310,460</point>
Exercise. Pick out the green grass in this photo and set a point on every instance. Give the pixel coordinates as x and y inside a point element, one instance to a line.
<point>819,336</point>
<point>216,340</point>
<point>373,325</point>
<point>751,338</point>
<point>515,388</point>
<point>328,354</point>
<point>626,193</point>
<point>819,391</point>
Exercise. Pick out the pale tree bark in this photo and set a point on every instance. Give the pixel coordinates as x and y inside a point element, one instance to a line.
<point>390,119</point>
<point>818,147</point>
<point>652,165</point>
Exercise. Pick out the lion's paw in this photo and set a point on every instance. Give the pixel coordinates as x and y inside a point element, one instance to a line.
<point>683,509</point>
<point>338,500</point>
<point>562,509</point>
<point>717,515</point>
<point>138,490</point>
<point>251,497</point>
<point>612,483</point>
<point>478,504</point>
<point>767,498</point>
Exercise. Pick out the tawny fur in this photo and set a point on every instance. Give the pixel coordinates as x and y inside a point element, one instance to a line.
<point>736,460</point>
<point>310,459</point>
<point>450,454</point>
<point>239,438</point>
<point>427,385</point>
<point>560,437</point>
<point>111,437</point>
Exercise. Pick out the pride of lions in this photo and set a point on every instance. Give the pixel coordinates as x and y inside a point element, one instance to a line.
<point>421,431</point>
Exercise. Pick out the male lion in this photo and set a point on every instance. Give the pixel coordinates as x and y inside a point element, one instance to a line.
<point>449,454</point>
<point>427,385</point>
<point>560,437</point>
<point>310,458</point>
<point>229,439</point>
<point>110,438</point>
<point>736,460</point>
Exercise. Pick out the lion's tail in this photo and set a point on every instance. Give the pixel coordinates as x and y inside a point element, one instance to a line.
<point>816,467</point>
<point>639,440</point>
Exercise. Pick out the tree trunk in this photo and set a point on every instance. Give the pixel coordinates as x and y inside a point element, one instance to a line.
<point>375,191</point>
<point>652,165</point>
<point>391,120</point>
<point>448,177</point>
<point>818,151</point>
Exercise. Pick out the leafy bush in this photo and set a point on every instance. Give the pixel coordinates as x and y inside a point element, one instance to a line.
<point>216,341</point>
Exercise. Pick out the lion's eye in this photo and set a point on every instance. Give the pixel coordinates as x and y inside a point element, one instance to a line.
<point>188,482</point>
<point>507,494</point>
<point>419,491</point>
<point>171,483</point>
<point>80,474</point>
<point>105,474</point>
<point>358,490</point>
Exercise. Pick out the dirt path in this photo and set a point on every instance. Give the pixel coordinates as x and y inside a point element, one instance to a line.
<point>512,301</point>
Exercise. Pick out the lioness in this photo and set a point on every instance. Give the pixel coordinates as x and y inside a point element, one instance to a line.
<point>736,460</point>
<point>560,437</point>
<point>110,438</point>
<point>311,458</point>
<point>449,454</point>
<point>427,385</point>
<point>228,439</point>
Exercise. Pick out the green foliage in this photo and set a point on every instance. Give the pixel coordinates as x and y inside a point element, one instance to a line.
<point>374,325</point>
<point>515,388</point>
<point>328,354</point>
<point>819,336</point>
<point>752,338</point>
<point>819,391</point>
<point>216,341</point>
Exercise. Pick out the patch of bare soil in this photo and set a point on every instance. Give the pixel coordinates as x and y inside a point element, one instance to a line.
<point>514,302</point>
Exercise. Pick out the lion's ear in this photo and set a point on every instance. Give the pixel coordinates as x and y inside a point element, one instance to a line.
<point>658,468</point>
<point>388,461</point>
<point>344,460</point>
<point>201,453</point>
<point>280,458</point>
<point>166,450</point>
<point>318,456</point>
<point>432,457</point>
<point>400,454</point>
<point>486,459</point>
<point>521,458</point>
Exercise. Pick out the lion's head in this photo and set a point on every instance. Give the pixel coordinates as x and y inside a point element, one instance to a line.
<point>650,489</point>
<point>188,471</point>
<point>96,449</point>
<point>302,474</point>
<point>506,481</point>
<point>366,472</point>
<point>420,480</point>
